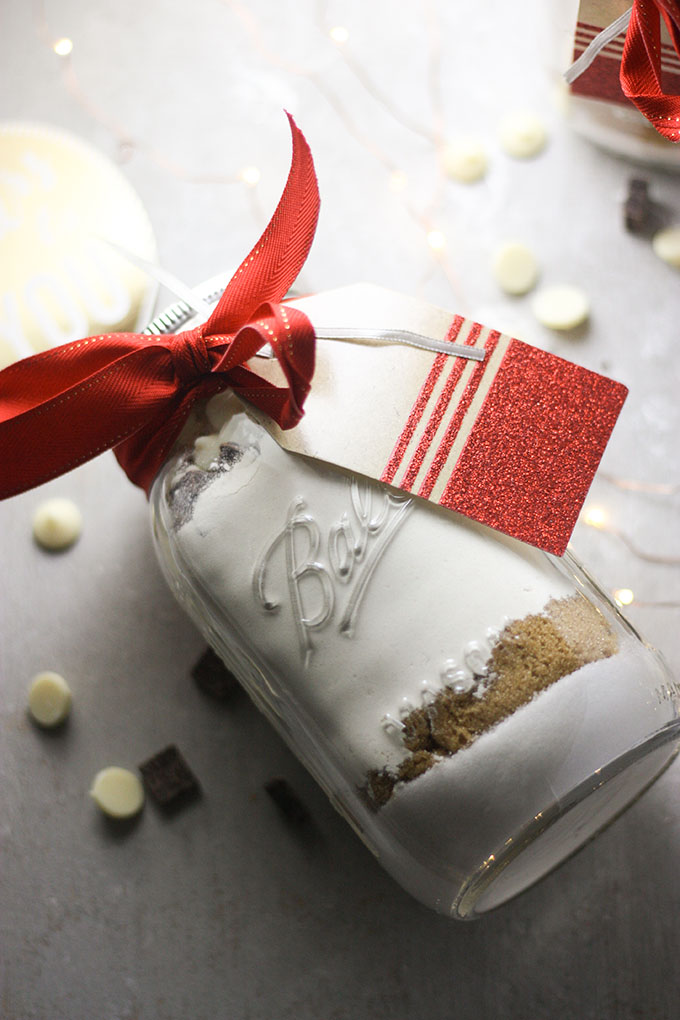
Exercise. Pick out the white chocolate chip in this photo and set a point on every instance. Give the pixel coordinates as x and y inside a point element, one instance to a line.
<point>118,792</point>
<point>465,159</point>
<point>523,134</point>
<point>561,307</point>
<point>666,244</point>
<point>57,524</point>
<point>515,267</point>
<point>206,451</point>
<point>220,407</point>
<point>49,699</point>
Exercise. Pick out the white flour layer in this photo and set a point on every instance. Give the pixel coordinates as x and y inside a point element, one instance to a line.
<point>467,806</point>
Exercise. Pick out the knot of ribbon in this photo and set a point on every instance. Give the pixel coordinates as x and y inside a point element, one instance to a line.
<point>190,357</point>
<point>133,392</point>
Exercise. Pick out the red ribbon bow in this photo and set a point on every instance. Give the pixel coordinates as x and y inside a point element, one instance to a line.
<point>641,64</point>
<point>134,392</point>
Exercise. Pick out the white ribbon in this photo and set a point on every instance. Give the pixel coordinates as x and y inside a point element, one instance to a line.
<point>199,304</point>
<point>596,46</point>
<point>401,336</point>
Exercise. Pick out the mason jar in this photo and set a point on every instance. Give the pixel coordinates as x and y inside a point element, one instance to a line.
<point>475,708</point>
<point>617,127</point>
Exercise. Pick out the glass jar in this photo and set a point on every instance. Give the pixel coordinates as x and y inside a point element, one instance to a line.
<point>617,127</point>
<point>475,708</point>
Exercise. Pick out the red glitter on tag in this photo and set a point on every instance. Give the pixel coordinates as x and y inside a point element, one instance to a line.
<point>531,456</point>
<point>527,450</point>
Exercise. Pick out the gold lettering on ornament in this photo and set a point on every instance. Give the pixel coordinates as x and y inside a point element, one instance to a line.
<point>87,288</point>
<point>326,586</point>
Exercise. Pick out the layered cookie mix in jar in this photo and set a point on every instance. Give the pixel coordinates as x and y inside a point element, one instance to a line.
<point>475,707</point>
<point>364,503</point>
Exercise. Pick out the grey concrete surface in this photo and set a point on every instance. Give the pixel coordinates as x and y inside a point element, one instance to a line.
<point>223,910</point>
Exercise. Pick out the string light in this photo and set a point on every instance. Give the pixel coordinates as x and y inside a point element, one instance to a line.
<point>62,47</point>
<point>127,144</point>
<point>339,34</point>
<point>250,175</point>
<point>368,141</point>
<point>632,485</point>
<point>436,240</point>
<point>673,604</point>
<point>595,516</point>
<point>398,181</point>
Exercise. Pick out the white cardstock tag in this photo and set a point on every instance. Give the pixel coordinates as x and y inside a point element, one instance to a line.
<point>512,441</point>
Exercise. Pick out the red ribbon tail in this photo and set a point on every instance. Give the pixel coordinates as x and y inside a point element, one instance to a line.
<point>271,267</point>
<point>63,407</point>
<point>134,392</point>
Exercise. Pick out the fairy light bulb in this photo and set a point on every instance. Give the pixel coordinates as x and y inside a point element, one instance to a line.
<point>624,596</point>
<point>398,181</point>
<point>339,34</point>
<point>62,47</point>
<point>250,175</point>
<point>436,240</point>
<point>595,516</point>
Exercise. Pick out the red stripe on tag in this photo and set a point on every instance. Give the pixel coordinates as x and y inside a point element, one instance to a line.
<point>420,404</point>
<point>456,421</point>
<point>439,411</point>
<point>413,419</point>
<point>614,51</point>
<point>585,33</point>
<point>602,79</point>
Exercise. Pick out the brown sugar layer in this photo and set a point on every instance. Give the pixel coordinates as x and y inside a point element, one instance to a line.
<point>530,655</point>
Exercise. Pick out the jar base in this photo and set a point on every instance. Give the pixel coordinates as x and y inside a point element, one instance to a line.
<point>622,132</point>
<point>564,827</point>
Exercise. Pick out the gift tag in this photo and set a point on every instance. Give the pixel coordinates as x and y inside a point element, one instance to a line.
<point>512,441</point>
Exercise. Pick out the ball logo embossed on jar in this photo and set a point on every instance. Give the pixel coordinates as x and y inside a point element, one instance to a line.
<point>355,545</point>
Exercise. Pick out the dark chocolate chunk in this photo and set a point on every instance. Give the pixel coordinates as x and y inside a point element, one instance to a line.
<point>168,778</point>
<point>287,801</point>
<point>213,677</point>
<point>638,208</point>
<point>192,480</point>
<point>183,494</point>
<point>636,216</point>
<point>230,455</point>
<point>379,787</point>
<point>638,186</point>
